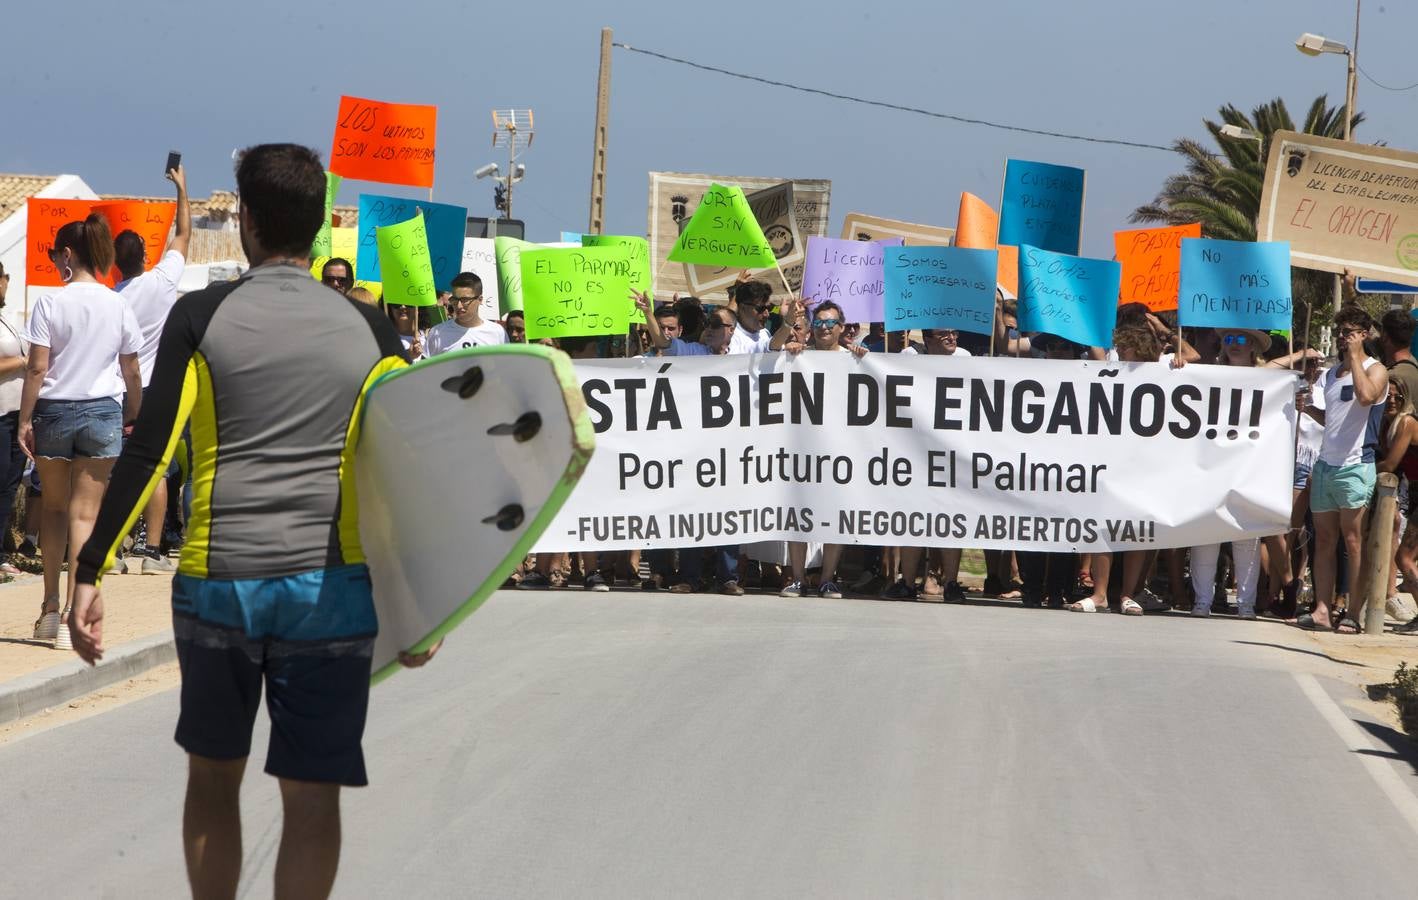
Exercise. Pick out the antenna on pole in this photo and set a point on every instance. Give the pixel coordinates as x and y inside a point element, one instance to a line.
<point>512,129</point>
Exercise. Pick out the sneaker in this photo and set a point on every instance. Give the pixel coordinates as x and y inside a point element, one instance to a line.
<point>682,587</point>
<point>1150,602</point>
<point>597,583</point>
<point>731,588</point>
<point>899,590</point>
<point>534,581</point>
<point>119,567</point>
<point>1246,612</point>
<point>27,549</point>
<point>864,580</point>
<point>46,627</point>
<point>1201,612</point>
<point>1409,628</point>
<point>829,591</point>
<point>1400,609</point>
<point>955,593</point>
<point>795,589</point>
<point>153,564</point>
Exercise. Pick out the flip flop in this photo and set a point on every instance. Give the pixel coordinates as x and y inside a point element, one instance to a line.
<point>1308,623</point>
<point>1344,623</point>
<point>1131,607</point>
<point>1085,605</point>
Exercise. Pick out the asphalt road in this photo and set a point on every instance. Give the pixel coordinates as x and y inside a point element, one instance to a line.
<point>631,745</point>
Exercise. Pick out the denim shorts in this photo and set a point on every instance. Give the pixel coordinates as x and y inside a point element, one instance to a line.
<point>64,429</point>
<point>1341,487</point>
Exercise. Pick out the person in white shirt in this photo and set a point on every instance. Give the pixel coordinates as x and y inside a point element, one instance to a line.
<point>151,296</point>
<point>71,423</point>
<point>752,301</point>
<point>1342,479</point>
<point>466,328</point>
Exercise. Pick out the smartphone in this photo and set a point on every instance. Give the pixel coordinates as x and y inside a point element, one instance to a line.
<point>174,159</point>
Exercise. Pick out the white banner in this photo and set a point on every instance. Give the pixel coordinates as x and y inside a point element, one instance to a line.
<point>929,451</point>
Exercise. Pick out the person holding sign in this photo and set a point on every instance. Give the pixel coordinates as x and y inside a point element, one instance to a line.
<point>1342,479</point>
<point>151,296</point>
<point>466,328</point>
<point>752,301</point>
<point>411,323</point>
<point>71,424</point>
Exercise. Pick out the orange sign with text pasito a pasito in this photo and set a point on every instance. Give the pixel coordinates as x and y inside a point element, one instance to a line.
<point>1152,264</point>
<point>392,143</point>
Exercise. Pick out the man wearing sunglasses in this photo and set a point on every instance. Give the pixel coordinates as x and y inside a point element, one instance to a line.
<point>752,301</point>
<point>338,274</point>
<point>466,328</point>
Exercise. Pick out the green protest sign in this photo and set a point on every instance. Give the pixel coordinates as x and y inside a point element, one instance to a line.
<point>405,264</point>
<point>723,232</point>
<point>639,251</point>
<point>508,251</point>
<point>572,291</point>
<point>321,247</point>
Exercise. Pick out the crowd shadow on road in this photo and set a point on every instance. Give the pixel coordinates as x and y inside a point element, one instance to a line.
<point>1333,659</point>
<point>1401,746</point>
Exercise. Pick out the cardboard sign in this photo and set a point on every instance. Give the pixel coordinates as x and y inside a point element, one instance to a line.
<point>977,227</point>
<point>408,269</point>
<point>723,232</point>
<point>151,220</point>
<point>1070,296</point>
<point>637,248</point>
<point>445,223</point>
<point>509,271</point>
<point>940,287</point>
<point>861,227</point>
<point>388,142</point>
<point>575,291</point>
<point>1042,206</point>
<point>480,258</point>
<point>849,273</point>
<point>321,246</point>
<point>788,211</point>
<point>1342,206</point>
<point>1235,284</point>
<point>1152,264</point>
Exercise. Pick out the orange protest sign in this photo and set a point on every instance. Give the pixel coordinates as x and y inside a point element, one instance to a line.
<point>977,226</point>
<point>45,218</point>
<point>1008,268</point>
<point>150,220</point>
<point>387,142</point>
<point>1152,264</point>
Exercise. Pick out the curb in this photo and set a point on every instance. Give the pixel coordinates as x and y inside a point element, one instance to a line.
<point>40,690</point>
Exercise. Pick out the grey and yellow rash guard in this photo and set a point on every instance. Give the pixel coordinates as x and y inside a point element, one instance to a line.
<point>271,369</point>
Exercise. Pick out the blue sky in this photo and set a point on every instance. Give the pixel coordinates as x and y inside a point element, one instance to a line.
<point>106,91</point>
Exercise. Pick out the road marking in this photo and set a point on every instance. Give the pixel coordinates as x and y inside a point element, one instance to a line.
<point>1380,769</point>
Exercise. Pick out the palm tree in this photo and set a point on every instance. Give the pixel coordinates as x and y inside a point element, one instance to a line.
<point>1222,190</point>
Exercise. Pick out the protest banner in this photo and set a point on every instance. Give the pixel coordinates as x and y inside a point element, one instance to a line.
<point>321,246</point>
<point>928,451</point>
<point>444,222</point>
<point>848,273</point>
<point>575,291</point>
<point>861,227</point>
<point>940,287</point>
<point>1235,284</point>
<point>1042,206</point>
<point>1069,296</point>
<point>151,220</point>
<point>388,142</point>
<point>1152,264</point>
<point>480,258</point>
<point>637,248</point>
<point>977,227</point>
<point>1342,205</point>
<point>407,273</point>
<point>723,232</point>
<point>509,271</point>
<point>787,217</point>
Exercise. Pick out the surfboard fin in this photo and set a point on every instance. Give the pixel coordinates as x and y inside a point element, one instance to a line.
<point>465,385</point>
<point>522,430</point>
<point>507,518</point>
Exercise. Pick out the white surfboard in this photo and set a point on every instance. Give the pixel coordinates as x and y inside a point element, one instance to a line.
<point>463,460</point>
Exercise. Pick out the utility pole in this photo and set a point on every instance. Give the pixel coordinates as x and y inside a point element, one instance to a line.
<point>598,151</point>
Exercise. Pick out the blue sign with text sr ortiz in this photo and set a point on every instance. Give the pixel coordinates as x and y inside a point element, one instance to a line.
<point>1070,296</point>
<point>1235,284</point>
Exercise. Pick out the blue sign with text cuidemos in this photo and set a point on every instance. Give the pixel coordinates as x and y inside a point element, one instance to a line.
<point>1069,296</point>
<point>1235,284</point>
<point>446,225</point>
<point>1042,206</point>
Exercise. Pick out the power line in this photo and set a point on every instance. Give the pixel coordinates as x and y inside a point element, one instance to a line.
<point>1386,87</point>
<point>909,109</point>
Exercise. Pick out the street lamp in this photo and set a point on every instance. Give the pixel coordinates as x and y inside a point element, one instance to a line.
<point>1239,133</point>
<point>511,128</point>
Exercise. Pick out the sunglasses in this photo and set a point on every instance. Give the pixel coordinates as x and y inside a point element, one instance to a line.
<point>335,279</point>
<point>457,301</point>
<point>712,326</point>
<point>1239,340</point>
<point>946,335</point>
<point>826,323</point>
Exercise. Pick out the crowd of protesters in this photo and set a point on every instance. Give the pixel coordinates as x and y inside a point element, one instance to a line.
<point>74,381</point>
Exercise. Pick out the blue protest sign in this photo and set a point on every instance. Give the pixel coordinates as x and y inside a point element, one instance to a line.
<point>571,237</point>
<point>1370,286</point>
<point>1235,284</point>
<point>444,223</point>
<point>940,287</point>
<point>1070,296</point>
<point>1042,206</point>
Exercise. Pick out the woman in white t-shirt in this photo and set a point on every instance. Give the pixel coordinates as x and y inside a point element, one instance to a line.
<point>12,376</point>
<point>404,317</point>
<point>71,421</point>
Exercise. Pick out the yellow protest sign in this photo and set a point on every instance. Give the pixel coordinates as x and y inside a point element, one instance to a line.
<point>724,232</point>
<point>405,263</point>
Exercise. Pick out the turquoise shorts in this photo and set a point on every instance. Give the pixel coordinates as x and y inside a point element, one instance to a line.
<point>1341,487</point>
